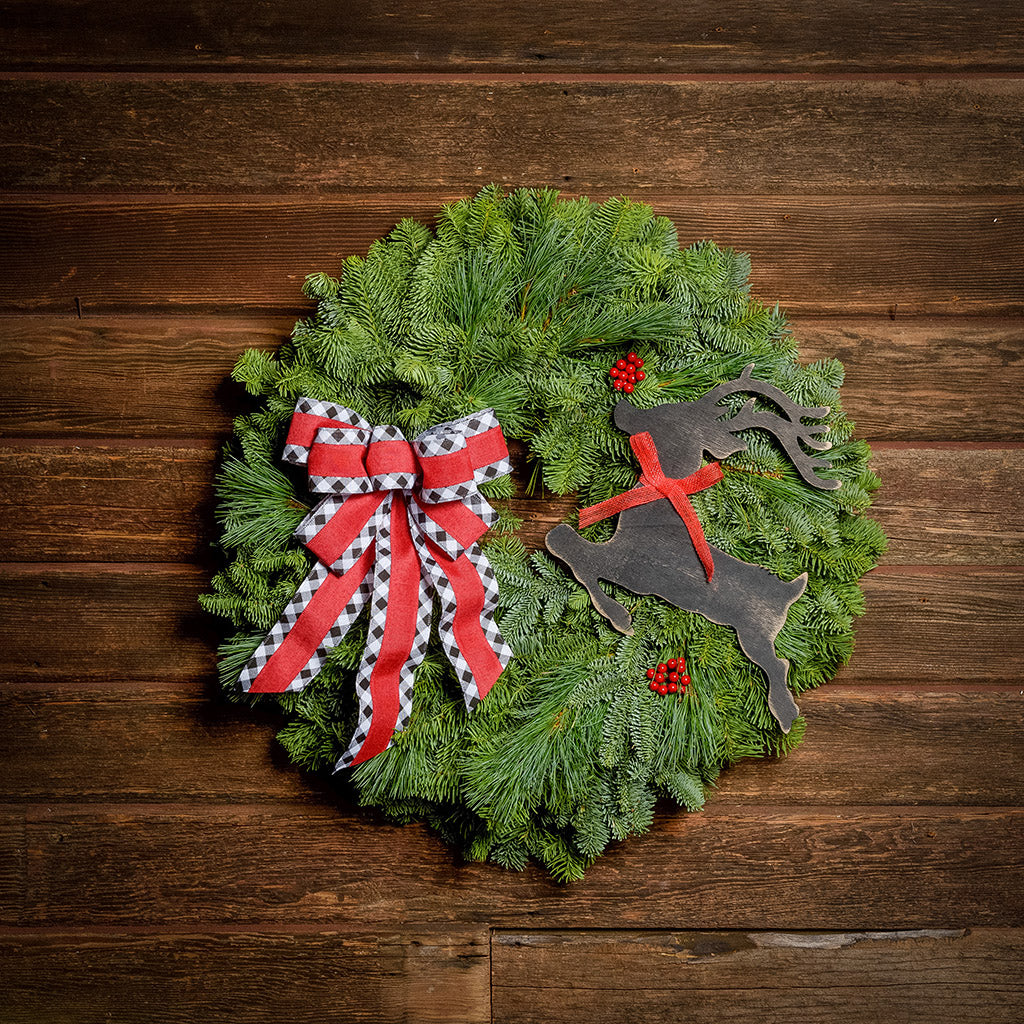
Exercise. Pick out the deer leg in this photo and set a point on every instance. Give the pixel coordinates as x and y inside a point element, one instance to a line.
<point>585,560</point>
<point>760,649</point>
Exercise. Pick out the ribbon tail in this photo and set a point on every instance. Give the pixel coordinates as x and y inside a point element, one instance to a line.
<point>396,641</point>
<point>468,593</point>
<point>322,611</point>
<point>688,514</point>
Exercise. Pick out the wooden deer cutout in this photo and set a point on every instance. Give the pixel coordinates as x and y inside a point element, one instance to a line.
<point>652,552</point>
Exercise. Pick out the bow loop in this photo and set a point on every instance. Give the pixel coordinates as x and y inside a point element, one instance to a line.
<point>456,457</point>
<point>399,521</point>
<point>336,461</point>
<point>309,416</point>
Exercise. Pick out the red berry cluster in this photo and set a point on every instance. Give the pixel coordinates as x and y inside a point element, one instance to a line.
<point>627,373</point>
<point>669,677</point>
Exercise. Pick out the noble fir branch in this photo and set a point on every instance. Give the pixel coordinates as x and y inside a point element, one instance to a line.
<point>258,504</point>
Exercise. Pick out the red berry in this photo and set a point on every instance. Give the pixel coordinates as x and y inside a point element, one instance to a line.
<point>628,388</point>
<point>671,662</point>
<point>632,378</point>
<point>662,689</point>
<point>639,362</point>
<point>673,677</point>
<point>681,664</point>
<point>663,667</point>
<point>621,364</point>
<point>654,686</point>
<point>672,688</point>
<point>613,373</point>
<point>640,375</point>
<point>685,680</point>
<point>651,673</point>
<point>632,357</point>
<point>617,384</point>
<point>660,677</point>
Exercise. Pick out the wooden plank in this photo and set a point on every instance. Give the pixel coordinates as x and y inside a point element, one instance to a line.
<point>107,502</point>
<point>880,746</point>
<point>111,503</point>
<point>140,622</point>
<point>248,977</point>
<point>953,379</point>
<point>924,624</point>
<point>909,380</point>
<point>126,378</point>
<point>838,255</point>
<point>698,37</point>
<point>176,741</point>
<point>871,746</point>
<point>834,868</point>
<point>629,977</point>
<point>951,506</point>
<point>941,625</point>
<point>694,138</point>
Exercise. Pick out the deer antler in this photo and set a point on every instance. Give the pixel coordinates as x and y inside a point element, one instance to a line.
<point>787,428</point>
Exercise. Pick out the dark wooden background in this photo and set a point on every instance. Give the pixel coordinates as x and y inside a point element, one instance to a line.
<point>170,172</point>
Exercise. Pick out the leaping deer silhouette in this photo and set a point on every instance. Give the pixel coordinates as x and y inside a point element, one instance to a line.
<point>651,551</point>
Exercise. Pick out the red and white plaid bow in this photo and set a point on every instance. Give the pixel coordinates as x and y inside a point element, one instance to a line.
<point>400,521</point>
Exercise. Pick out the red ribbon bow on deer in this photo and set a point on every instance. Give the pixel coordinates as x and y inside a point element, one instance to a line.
<point>400,522</point>
<point>655,485</point>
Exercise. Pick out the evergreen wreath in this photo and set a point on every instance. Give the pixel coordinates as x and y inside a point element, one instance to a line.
<point>520,303</point>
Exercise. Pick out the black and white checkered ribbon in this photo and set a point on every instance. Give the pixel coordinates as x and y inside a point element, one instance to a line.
<point>399,522</point>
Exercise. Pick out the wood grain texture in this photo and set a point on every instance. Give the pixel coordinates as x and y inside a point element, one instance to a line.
<point>951,506</point>
<point>909,977</point>
<point>951,379</point>
<point>926,380</point>
<point>891,747</point>
<point>376,977</point>
<point>159,378</point>
<point>843,255</point>
<point>179,742</point>
<point>108,503</point>
<point>694,138</point>
<point>488,36</point>
<point>145,621</point>
<point>779,868</point>
<point>112,503</point>
<point>160,860</point>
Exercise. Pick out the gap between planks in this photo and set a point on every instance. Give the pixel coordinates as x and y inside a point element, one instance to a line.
<point>186,569</point>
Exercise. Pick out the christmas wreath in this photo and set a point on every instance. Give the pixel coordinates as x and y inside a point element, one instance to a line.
<point>532,711</point>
